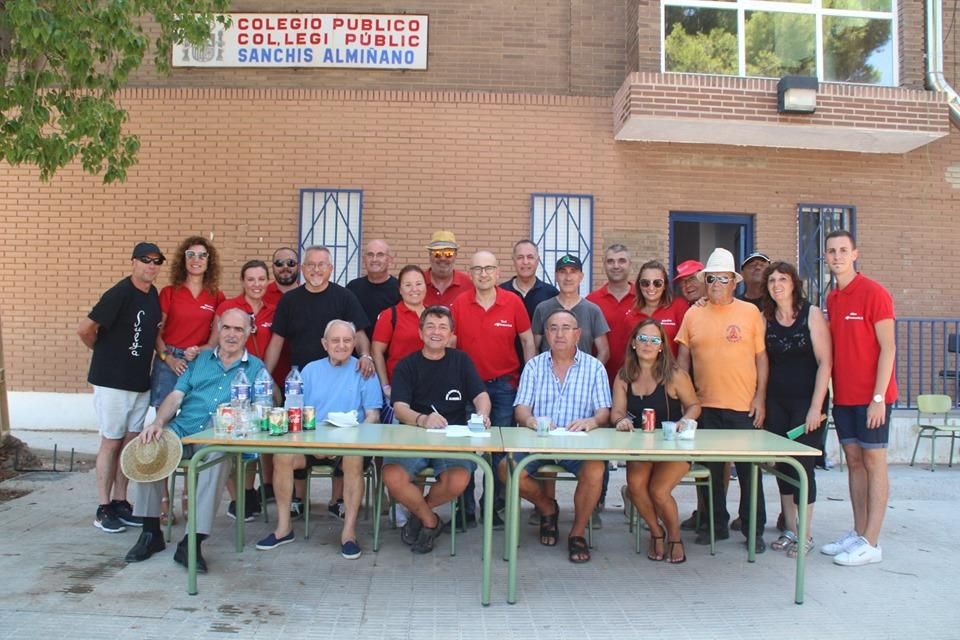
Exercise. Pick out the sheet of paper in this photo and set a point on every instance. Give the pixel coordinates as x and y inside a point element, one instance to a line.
<point>564,432</point>
<point>460,431</point>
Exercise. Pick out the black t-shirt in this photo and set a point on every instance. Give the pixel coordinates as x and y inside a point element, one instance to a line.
<point>757,302</point>
<point>129,321</point>
<point>448,383</point>
<point>375,297</point>
<point>302,317</point>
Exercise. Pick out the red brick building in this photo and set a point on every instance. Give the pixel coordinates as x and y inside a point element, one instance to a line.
<point>525,110</point>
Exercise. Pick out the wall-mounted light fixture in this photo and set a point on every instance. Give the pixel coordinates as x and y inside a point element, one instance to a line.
<point>797,94</point>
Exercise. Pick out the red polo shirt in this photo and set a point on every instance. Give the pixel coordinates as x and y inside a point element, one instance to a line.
<point>853,312</point>
<point>188,319</point>
<point>272,296</point>
<point>489,336</point>
<point>461,284</point>
<point>615,313</point>
<point>670,318</point>
<point>402,339</point>
<point>262,321</point>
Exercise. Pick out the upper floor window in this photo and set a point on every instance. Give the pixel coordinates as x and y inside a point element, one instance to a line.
<point>833,40</point>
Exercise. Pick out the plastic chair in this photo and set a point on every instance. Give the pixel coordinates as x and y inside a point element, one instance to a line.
<point>181,471</point>
<point>425,477</point>
<point>327,471</point>
<point>698,476</point>
<point>933,420</point>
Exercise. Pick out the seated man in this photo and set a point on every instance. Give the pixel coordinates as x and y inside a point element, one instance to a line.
<point>571,388</point>
<point>331,384</point>
<point>198,392</point>
<point>431,388</point>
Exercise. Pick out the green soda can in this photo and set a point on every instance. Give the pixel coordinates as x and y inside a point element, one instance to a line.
<point>277,421</point>
<point>309,418</point>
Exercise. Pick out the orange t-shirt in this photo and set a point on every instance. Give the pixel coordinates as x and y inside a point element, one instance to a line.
<point>724,341</point>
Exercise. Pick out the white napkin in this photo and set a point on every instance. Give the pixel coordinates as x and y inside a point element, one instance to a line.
<point>460,431</point>
<point>564,432</point>
<point>343,419</point>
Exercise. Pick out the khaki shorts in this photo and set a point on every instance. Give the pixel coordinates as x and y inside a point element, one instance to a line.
<point>119,411</point>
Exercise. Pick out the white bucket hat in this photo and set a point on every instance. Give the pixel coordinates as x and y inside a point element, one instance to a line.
<point>720,261</point>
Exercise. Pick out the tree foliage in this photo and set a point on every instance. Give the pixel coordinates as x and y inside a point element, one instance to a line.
<point>62,63</point>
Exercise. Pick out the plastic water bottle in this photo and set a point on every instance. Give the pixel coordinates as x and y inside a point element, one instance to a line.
<point>240,403</point>
<point>293,389</point>
<point>263,399</point>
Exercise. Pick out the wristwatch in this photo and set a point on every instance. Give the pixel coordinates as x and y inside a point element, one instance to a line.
<point>878,399</point>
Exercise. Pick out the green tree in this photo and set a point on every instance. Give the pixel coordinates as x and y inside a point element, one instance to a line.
<point>62,64</point>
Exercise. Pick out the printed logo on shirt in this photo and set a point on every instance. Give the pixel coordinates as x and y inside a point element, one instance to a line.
<point>454,395</point>
<point>853,315</point>
<point>136,345</point>
<point>208,307</point>
<point>503,324</point>
<point>668,322</point>
<point>734,333</point>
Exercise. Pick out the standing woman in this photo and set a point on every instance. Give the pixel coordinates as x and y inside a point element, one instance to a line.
<point>651,379</point>
<point>800,354</point>
<point>188,306</point>
<point>655,300</point>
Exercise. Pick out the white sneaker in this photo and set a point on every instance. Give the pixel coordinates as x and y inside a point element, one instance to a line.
<point>859,554</point>
<point>841,544</point>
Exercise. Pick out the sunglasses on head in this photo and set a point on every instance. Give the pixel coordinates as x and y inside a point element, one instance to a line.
<point>710,279</point>
<point>285,263</point>
<point>654,283</point>
<point>196,254</point>
<point>654,340</point>
<point>149,260</point>
<point>444,253</point>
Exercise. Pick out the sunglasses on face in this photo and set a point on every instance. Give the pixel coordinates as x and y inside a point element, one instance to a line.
<point>654,340</point>
<point>149,260</point>
<point>285,263</point>
<point>444,253</point>
<point>202,255</point>
<point>658,283</point>
<point>721,279</point>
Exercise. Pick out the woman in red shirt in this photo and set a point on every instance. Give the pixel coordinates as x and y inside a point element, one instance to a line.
<point>397,331</point>
<point>254,277</point>
<point>655,300</point>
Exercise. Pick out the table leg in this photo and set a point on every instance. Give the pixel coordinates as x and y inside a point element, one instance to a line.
<point>239,489</point>
<point>192,524</point>
<point>487,532</point>
<point>512,528</point>
<point>802,525</point>
<point>752,520</point>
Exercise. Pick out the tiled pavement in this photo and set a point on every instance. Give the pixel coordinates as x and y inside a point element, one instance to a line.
<point>61,577</point>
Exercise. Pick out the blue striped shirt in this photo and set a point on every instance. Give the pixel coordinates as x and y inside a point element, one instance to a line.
<point>206,384</point>
<point>584,390</point>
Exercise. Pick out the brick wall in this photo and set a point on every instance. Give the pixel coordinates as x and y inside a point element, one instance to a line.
<point>229,163</point>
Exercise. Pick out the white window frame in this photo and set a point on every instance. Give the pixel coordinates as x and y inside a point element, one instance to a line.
<point>815,8</point>
<point>333,218</point>
<point>562,223</point>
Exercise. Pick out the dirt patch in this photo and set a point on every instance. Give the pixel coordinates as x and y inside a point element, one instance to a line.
<point>16,458</point>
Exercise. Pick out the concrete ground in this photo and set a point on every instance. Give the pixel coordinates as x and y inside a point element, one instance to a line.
<point>64,578</point>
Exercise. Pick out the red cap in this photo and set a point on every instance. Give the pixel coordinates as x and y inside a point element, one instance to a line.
<point>687,268</point>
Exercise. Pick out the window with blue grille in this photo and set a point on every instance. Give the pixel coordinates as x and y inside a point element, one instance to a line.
<point>814,224</point>
<point>562,223</point>
<point>332,217</point>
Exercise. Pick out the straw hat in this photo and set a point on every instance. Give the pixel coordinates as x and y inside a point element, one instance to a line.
<point>443,240</point>
<point>151,461</point>
<point>720,261</point>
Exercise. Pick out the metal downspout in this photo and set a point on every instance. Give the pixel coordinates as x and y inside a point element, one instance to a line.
<point>935,78</point>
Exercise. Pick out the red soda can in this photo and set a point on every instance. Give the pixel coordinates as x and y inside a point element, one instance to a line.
<point>294,419</point>
<point>649,420</point>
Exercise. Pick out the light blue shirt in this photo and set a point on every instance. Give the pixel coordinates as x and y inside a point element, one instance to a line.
<point>341,388</point>
<point>584,390</point>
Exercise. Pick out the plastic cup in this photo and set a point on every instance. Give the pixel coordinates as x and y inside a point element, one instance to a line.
<point>669,430</point>
<point>543,426</point>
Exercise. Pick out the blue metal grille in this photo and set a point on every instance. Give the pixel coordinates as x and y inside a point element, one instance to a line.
<point>814,223</point>
<point>562,223</point>
<point>332,218</point>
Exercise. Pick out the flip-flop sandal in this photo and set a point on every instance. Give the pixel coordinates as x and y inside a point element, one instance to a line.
<point>548,527</point>
<point>578,549</point>
<point>783,543</point>
<point>652,553</point>
<point>682,559</point>
<point>793,549</point>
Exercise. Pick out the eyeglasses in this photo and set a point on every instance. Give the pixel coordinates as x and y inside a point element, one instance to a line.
<point>486,269</point>
<point>565,328</point>
<point>316,266</point>
<point>379,255</point>
<point>654,340</point>
<point>710,279</point>
<point>658,283</point>
<point>444,253</point>
<point>202,255</point>
<point>285,263</point>
<point>149,260</point>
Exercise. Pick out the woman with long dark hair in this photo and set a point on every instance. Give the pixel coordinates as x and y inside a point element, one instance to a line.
<point>651,379</point>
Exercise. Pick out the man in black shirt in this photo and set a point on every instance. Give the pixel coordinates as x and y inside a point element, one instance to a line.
<point>752,271</point>
<point>303,313</point>
<point>121,329</point>
<point>431,389</point>
<point>531,289</point>
<point>378,290</point>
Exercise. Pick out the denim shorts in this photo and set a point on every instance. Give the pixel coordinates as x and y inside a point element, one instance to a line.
<point>413,466</point>
<point>851,424</point>
<point>570,466</point>
<point>163,379</point>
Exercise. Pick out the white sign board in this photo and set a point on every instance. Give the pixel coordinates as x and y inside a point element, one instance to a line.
<point>262,40</point>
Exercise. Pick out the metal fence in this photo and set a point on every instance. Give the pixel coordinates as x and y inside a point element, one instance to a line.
<point>927,359</point>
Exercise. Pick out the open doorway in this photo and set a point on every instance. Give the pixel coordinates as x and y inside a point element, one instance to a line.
<point>694,235</point>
